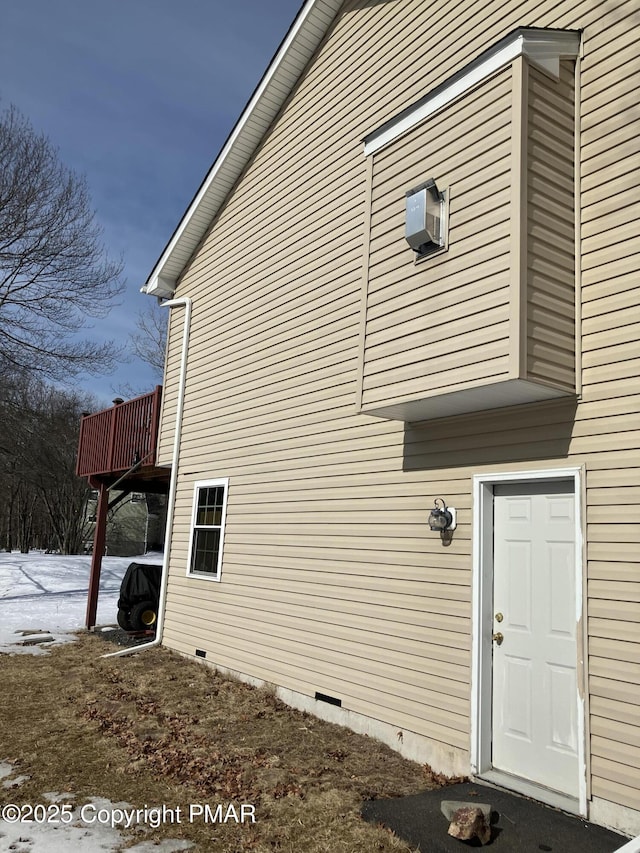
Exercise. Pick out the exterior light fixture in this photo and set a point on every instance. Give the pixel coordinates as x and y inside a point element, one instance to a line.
<point>442,518</point>
<point>425,218</point>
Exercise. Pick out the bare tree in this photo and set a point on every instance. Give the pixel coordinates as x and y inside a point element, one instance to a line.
<point>42,498</point>
<point>150,341</point>
<point>54,270</point>
<point>51,472</point>
<point>148,344</point>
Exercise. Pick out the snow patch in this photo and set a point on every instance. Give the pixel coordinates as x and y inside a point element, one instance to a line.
<point>15,782</point>
<point>53,797</point>
<point>76,834</point>
<point>46,594</point>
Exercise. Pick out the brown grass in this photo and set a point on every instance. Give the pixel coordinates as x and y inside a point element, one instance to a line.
<point>155,729</point>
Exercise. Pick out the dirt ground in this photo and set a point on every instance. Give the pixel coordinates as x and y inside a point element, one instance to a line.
<point>156,730</point>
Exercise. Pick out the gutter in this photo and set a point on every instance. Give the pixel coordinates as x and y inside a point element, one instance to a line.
<point>185,302</point>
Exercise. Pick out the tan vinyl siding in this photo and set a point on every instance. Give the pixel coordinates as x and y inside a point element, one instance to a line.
<point>551,356</point>
<point>331,580</point>
<point>272,357</point>
<point>499,304</point>
<point>443,317</point>
<point>170,386</point>
<point>311,598</point>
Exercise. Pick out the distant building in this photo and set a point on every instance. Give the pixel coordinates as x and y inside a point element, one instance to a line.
<point>135,524</point>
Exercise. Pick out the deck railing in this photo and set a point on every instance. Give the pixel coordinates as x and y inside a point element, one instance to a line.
<point>114,439</point>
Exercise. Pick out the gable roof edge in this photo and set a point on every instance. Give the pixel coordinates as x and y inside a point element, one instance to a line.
<point>289,62</point>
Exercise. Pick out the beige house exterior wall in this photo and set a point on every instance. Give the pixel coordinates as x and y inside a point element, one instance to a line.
<point>442,324</point>
<point>331,580</point>
<point>551,229</point>
<point>495,312</point>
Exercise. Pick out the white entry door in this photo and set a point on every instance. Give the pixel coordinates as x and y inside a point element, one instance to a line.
<point>535,700</point>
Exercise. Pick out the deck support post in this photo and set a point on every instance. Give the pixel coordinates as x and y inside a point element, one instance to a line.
<point>99,539</point>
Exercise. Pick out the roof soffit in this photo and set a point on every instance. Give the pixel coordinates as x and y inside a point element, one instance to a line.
<point>292,57</point>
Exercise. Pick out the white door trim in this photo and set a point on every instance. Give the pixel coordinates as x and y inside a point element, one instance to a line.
<point>482,601</point>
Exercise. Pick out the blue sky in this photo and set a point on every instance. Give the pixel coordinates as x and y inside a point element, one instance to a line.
<point>138,95</point>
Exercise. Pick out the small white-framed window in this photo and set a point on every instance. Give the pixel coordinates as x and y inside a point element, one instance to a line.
<point>207,528</point>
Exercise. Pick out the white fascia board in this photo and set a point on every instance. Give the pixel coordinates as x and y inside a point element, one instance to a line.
<point>542,47</point>
<point>159,286</point>
<point>545,48</point>
<point>306,33</point>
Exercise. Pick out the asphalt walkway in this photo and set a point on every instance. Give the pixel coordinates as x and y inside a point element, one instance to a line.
<point>519,825</point>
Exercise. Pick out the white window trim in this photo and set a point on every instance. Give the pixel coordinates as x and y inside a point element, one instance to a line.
<point>542,47</point>
<point>203,484</point>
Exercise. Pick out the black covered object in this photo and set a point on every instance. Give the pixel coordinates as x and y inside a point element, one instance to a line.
<point>141,582</point>
<point>139,596</point>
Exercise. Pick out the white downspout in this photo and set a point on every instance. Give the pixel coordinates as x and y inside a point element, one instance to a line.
<point>173,482</point>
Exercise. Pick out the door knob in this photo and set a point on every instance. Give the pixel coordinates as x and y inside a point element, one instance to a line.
<point>498,638</point>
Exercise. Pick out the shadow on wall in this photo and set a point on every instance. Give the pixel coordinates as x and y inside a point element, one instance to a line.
<point>518,434</point>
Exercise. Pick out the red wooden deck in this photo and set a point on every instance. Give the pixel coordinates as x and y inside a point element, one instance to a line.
<point>113,440</point>
<point>117,448</point>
